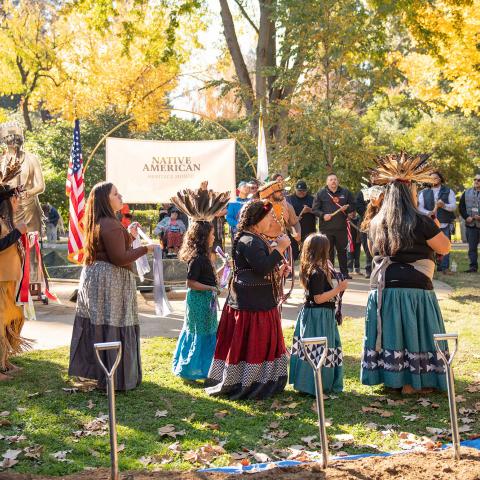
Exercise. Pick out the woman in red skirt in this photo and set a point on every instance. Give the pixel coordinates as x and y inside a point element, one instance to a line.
<point>250,359</point>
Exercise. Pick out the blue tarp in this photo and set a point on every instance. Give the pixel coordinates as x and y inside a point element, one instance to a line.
<point>258,467</point>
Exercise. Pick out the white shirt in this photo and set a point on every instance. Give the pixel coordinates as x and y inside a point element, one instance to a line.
<point>450,206</point>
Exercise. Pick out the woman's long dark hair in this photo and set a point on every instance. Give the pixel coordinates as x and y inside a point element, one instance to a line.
<point>251,213</point>
<point>98,207</point>
<point>315,254</point>
<point>195,241</point>
<point>6,210</point>
<point>393,228</point>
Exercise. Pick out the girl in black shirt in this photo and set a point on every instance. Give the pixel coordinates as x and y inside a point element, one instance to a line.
<point>317,319</point>
<point>196,343</point>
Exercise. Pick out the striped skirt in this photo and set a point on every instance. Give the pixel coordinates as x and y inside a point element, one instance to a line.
<point>250,360</point>
<point>410,318</point>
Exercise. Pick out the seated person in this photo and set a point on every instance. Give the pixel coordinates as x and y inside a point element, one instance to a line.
<point>172,230</point>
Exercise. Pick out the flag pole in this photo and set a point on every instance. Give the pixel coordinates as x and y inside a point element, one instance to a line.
<point>262,157</point>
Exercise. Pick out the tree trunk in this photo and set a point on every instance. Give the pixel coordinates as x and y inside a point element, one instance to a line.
<point>26,114</point>
<point>241,70</point>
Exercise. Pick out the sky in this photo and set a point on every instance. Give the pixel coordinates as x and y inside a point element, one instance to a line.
<point>213,41</point>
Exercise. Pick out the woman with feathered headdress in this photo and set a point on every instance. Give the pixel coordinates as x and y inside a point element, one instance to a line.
<point>402,311</point>
<point>196,342</point>
<point>11,271</point>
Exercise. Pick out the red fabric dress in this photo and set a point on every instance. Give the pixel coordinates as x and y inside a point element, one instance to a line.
<point>250,358</point>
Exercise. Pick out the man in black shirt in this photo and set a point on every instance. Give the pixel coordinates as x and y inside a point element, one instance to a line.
<point>302,202</point>
<point>331,205</point>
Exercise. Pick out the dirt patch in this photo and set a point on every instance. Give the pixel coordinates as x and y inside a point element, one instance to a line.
<point>416,466</point>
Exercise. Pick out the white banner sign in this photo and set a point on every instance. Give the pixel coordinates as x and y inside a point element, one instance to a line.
<point>150,171</point>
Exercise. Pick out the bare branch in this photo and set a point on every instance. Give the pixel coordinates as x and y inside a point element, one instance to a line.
<point>245,14</point>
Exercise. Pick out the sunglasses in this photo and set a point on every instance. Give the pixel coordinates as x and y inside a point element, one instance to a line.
<point>476,179</point>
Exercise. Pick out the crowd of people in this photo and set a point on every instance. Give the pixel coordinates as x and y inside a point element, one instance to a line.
<point>244,356</point>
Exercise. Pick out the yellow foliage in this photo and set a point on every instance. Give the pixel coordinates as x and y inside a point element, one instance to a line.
<point>451,79</point>
<point>98,72</point>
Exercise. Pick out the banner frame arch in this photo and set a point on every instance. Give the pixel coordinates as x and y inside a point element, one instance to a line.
<point>205,117</point>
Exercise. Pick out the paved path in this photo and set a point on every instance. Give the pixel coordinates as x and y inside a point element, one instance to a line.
<point>53,327</point>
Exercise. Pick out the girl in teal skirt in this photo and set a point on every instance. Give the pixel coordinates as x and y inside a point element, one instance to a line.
<point>196,343</point>
<point>317,318</point>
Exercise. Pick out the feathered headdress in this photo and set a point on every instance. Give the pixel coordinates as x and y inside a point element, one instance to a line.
<point>402,167</point>
<point>201,205</point>
<point>11,170</point>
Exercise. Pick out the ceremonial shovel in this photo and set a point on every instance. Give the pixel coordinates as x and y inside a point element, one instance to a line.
<point>437,338</point>
<point>111,400</point>
<point>317,368</point>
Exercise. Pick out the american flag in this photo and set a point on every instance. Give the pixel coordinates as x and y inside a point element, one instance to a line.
<point>75,192</point>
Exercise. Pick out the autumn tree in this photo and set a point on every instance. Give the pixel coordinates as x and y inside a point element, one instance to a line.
<point>29,49</point>
<point>128,69</point>
<point>449,77</point>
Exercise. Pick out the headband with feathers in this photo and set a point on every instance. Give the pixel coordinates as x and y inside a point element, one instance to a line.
<point>201,205</point>
<point>402,167</point>
<point>11,170</point>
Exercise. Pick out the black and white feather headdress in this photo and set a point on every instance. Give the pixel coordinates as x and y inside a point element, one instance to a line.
<point>201,205</point>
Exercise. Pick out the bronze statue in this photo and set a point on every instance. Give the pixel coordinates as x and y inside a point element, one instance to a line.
<point>30,211</point>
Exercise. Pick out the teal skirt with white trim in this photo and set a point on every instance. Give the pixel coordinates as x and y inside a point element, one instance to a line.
<point>410,318</point>
<point>316,322</point>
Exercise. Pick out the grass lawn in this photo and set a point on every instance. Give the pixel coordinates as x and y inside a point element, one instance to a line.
<point>36,406</point>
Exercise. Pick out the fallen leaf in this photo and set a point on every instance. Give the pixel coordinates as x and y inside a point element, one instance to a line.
<point>31,395</point>
<point>345,437</point>
<point>5,413</point>
<point>466,411</point>
<point>70,390</point>
<point>289,414</point>
<point>336,445</point>
<point>238,455</point>
<point>21,409</point>
<point>342,454</point>
<point>34,451</point>
<point>12,454</point>
<point>372,425</point>
<point>467,420</point>
<point>465,428</point>
<point>460,399</point>
<point>292,405</point>
<point>161,413</point>
<point>424,402</point>
<point>61,456</point>
<point>90,404</point>
<point>8,463</point>
<point>435,430</point>
<point>473,388</point>
<point>169,430</point>
<point>411,418</point>
<point>281,433</point>
<point>145,461</point>
<point>274,425</point>
<point>395,402</point>
<point>211,426</point>
<point>221,413</point>
<point>175,447</point>
<point>15,438</point>
<point>121,447</point>
<point>261,457</point>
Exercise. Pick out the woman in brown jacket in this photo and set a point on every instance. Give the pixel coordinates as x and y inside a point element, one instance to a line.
<point>107,302</point>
